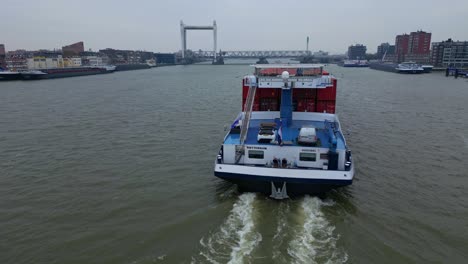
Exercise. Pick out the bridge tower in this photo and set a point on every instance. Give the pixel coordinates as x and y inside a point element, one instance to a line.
<point>183,32</point>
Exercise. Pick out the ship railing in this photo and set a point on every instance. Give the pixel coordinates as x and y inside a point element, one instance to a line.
<point>247,115</point>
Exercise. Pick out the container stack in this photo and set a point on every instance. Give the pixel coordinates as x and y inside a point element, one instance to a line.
<point>304,100</point>
<point>326,99</point>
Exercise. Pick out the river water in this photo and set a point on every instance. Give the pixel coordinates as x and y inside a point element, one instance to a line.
<point>118,168</point>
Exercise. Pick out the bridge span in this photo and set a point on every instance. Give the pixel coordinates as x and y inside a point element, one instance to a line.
<point>253,54</point>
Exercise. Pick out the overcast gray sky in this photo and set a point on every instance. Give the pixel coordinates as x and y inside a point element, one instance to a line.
<point>332,25</point>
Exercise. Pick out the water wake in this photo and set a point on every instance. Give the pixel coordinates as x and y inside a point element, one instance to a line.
<point>236,238</point>
<point>281,232</point>
<point>465,140</point>
<point>314,240</point>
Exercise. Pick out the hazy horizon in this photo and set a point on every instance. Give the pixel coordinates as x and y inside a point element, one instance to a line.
<point>242,25</point>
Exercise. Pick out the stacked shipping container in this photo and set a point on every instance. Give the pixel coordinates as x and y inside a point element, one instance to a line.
<point>304,100</point>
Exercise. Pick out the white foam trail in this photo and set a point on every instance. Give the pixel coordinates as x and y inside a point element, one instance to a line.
<point>315,241</point>
<point>281,229</point>
<point>465,140</point>
<point>236,237</point>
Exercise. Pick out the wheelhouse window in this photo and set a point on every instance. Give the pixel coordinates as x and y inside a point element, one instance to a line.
<point>305,156</point>
<point>256,154</point>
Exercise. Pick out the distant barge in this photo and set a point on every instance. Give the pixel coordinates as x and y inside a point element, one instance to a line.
<point>405,67</point>
<point>65,72</point>
<point>131,67</point>
<point>9,76</point>
<point>356,63</point>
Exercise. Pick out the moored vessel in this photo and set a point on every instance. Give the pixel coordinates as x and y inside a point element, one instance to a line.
<point>427,68</point>
<point>131,67</point>
<point>404,67</point>
<point>65,72</point>
<point>287,140</point>
<point>356,63</point>
<point>409,67</point>
<point>9,76</point>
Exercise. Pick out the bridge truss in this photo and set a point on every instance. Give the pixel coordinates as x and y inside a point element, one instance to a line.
<point>254,54</point>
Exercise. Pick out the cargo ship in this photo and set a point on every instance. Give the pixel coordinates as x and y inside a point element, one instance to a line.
<point>287,140</point>
<point>65,72</point>
<point>9,76</point>
<point>409,67</point>
<point>356,63</point>
<point>132,67</point>
<point>404,67</point>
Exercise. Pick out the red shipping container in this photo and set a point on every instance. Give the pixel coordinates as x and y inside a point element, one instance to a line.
<point>300,107</point>
<point>328,93</point>
<point>268,92</point>
<point>310,106</point>
<point>256,106</point>
<point>297,92</point>
<point>326,106</point>
<point>321,106</point>
<point>268,104</point>
<point>275,93</point>
<point>330,107</point>
<point>274,105</point>
<point>245,91</point>
<point>311,93</point>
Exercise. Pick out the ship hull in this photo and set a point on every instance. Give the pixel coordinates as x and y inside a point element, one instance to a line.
<point>63,73</point>
<point>409,71</point>
<point>295,187</point>
<point>355,66</point>
<point>131,67</point>
<point>298,182</point>
<point>383,67</point>
<point>10,76</point>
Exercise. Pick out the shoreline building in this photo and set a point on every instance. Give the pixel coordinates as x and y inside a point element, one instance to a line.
<point>17,60</point>
<point>2,57</point>
<point>413,47</point>
<point>387,50</point>
<point>73,50</point>
<point>357,52</point>
<point>165,58</point>
<point>42,62</point>
<point>450,53</point>
<point>118,57</point>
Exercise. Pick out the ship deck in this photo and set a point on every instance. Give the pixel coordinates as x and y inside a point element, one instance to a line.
<point>290,133</point>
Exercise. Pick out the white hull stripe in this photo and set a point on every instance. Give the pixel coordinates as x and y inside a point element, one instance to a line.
<point>285,173</point>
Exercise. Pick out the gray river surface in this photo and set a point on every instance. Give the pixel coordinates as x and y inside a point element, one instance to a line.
<point>118,168</point>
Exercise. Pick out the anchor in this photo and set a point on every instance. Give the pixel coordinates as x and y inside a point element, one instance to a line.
<point>280,193</point>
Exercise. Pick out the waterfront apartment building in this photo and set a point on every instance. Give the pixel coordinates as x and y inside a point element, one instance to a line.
<point>401,47</point>
<point>41,62</point>
<point>413,47</point>
<point>17,60</point>
<point>117,57</point>
<point>2,57</point>
<point>450,53</point>
<point>385,49</point>
<point>165,58</point>
<point>357,52</point>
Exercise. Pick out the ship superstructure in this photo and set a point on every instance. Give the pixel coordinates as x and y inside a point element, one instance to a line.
<point>287,138</point>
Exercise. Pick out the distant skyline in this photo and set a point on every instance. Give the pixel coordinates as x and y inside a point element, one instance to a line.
<point>242,25</point>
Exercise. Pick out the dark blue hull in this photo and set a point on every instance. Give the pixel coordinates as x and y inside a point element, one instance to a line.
<point>295,187</point>
<point>10,77</point>
<point>131,67</point>
<point>63,73</point>
<point>355,66</point>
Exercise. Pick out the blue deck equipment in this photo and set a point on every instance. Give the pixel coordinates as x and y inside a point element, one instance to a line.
<point>286,107</point>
